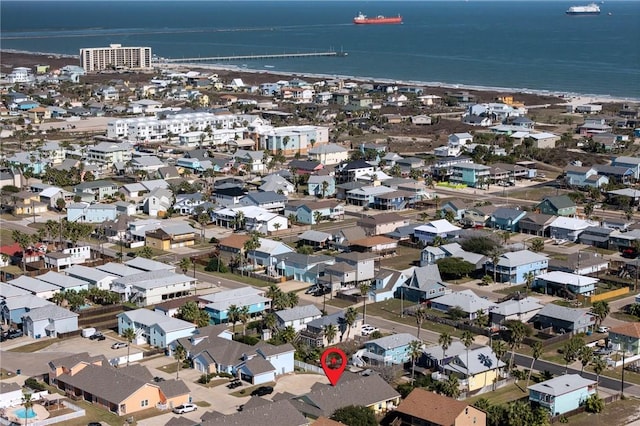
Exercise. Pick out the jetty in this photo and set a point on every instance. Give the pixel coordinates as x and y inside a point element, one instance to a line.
<point>250,57</point>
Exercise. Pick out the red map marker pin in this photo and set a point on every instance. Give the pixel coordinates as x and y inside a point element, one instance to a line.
<point>333,362</point>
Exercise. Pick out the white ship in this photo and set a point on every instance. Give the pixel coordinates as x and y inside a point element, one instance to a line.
<point>590,9</point>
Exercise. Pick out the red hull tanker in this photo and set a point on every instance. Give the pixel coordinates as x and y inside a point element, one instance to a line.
<point>362,19</point>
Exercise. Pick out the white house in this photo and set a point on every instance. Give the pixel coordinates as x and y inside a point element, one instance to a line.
<point>49,321</point>
<point>10,395</point>
<point>66,258</point>
<point>95,277</point>
<point>149,288</point>
<point>154,328</point>
<point>328,154</point>
<point>297,317</point>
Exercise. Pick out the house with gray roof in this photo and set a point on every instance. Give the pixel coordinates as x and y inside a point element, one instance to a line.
<point>36,287</point>
<point>561,319</point>
<point>386,282</point>
<point>315,239</point>
<point>148,265</point>
<point>536,224</point>
<point>514,267</point>
<point>324,400</point>
<point>297,317</point>
<point>94,277</point>
<point>281,413</point>
<point>49,321</point>
<point>14,308</point>
<point>506,219</point>
<point>153,327</point>
<point>388,350</point>
<point>476,368</point>
<point>515,310</point>
<point>562,394</point>
<point>314,335</point>
<point>467,300</point>
<point>268,200</point>
<point>151,287</point>
<point>425,284</point>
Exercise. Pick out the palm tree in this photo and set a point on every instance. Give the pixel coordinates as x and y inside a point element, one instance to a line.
<point>185,264</point>
<point>325,186</point>
<point>444,341</point>
<point>518,332</point>
<point>274,293</point>
<point>270,321</point>
<point>600,309</point>
<point>292,299</point>
<point>129,334</point>
<point>420,315</point>
<point>233,314</point>
<point>289,334</point>
<point>529,278</point>
<point>537,353</point>
<point>27,402</point>
<point>467,340</point>
<point>495,258</point>
<point>350,317</point>
<point>330,332</point>
<point>499,349</point>
<point>364,292</point>
<point>585,356</point>
<point>317,216</point>
<point>243,316</point>
<point>180,354</point>
<point>599,364</point>
<point>414,352</point>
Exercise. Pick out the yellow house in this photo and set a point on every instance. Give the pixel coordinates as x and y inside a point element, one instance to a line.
<point>26,203</point>
<point>171,236</point>
<point>123,390</point>
<point>38,114</point>
<point>481,371</point>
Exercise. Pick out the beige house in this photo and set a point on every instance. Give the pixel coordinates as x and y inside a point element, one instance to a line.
<point>382,223</point>
<point>423,407</point>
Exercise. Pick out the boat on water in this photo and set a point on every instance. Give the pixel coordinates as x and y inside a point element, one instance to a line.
<point>364,19</point>
<point>590,9</point>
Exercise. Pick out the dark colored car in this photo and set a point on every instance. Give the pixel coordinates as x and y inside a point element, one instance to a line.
<point>262,391</point>
<point>234,384</point>
<point>158,379</point>
<point>13,334</point>
<point>322,291</point>
<point>97,336</point>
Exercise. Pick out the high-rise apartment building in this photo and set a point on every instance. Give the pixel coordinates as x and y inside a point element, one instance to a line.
<point>115,57</point>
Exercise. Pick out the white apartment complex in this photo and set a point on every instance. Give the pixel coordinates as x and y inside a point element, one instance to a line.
<point>115,56</point>
<point>107,153</point>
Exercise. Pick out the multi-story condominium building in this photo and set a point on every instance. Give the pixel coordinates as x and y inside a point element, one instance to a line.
<point>290,139</point>
<point>115,56</point>
<point>107,153</point>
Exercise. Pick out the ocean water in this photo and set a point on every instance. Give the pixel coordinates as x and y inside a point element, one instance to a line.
<point>526,45</point>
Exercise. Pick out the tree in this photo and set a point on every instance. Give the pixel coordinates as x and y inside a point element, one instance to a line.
<point>233,314</point>
<point>481,245</point>
<point>594,404</point>
<point>317,216</point>
<point>467,339</point>
<point>277,226</point>
<point>243,316</point>
<point>518,331</point>
<point>61,204</point>
<point>519,414</point>
<point>355,415</point>
<point>252,244</point>
<point>482,319</point>
<point>456,312</point>
<point>495,258</point>
<point>585,355</point>
<point>288,335</point>
<point>454,267</point>
<point>599,364</point>
<point>364,292</point>
<point>325,187</point>
<point>350,317</point>
<point>570,351</point>
<point>190,312</point>
<point>414,352</point>
<point>536,348</point>
<point>180,354</point>
<point>24,240</point>
<point>330,331</point>
<point>420,315</point>
<point>128,334</point>
<point>27,402</point>
<point>291,299</point>
<point>270,321</point>
<point>529,278</point>
<point>499,349</point>
<point>276,295</point>
<point>600,309</point>
<point>185,264</point>
<point>537,245</point>
<point>146,252</point>
<point>444,341</point>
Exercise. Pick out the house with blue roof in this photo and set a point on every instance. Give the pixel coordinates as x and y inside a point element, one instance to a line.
<point>506,219</point>
<point>513,267</point>
<point>562,394</point>
<point>388,350</point>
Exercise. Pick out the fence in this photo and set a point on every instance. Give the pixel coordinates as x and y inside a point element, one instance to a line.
<point>604,296</point>
<point>308,367</point>
<point>562,417</point>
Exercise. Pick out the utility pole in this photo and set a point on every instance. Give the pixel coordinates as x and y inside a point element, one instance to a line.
<point>622,378</point>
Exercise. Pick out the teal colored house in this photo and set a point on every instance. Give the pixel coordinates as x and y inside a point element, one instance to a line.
<point>626,337</point>
<point>506,219</point>
<point>217,304</point>
<point>388,350</point>
<point>561,394</point>
<point>561,205</point>
<point>315,186</point>
<point>470,174</point>
<point>302,267</point>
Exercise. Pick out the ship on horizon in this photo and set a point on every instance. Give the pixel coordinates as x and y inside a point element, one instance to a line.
<point>590,9</point>
<point>363,19</point>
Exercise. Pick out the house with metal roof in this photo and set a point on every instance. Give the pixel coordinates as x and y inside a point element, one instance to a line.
<point>49,321</point>
<point>63,281</point>
<point>36,287</point>
<point>565,284</point>
<point>154,328</point>
<point>569,228</point>
<point>436,228</point>
<point>149,288</point>
<point>515,310</point>
<point>148,265</point>
<point>388,350</point>
<point>562,394</point>
<point>563,320</point>
<point>467,300</point>
<point>218,303</point>
<point>513,267</point>
<point>297,317</point>
<point>424,284</point>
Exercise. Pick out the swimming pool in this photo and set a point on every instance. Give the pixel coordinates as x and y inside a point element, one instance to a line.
<point>23,414</point>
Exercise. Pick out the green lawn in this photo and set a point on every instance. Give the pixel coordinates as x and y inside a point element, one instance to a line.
<point>505,394</point>
<point>338,303</point>
<point>511,289</point>
<point>405,258</point>
<point>5,237</point>
<point>234,277</point>
<point>34,347</point>
<point>247,391</point>
<point>173,367</point>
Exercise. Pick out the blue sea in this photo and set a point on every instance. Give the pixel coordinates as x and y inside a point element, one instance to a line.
<point>525,45</point>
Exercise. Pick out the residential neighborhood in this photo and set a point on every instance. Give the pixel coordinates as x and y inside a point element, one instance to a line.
<point>180,246</point>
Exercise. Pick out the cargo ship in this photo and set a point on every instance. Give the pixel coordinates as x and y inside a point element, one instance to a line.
<point>363,19</point>
<point>590,9</point>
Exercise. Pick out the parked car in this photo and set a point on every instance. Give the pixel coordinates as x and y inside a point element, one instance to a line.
<point>97,336</point>
<point>158,379</point>
<point>234,384</point>
<point>262,391</point>
<point>322,291</point>
<point>14,334</point>
<point>119,345</point>
<point>185,408</point>
<point>603,329</point>
<point>312,289</point>
<point>368,329</point>
<point>603,351</point>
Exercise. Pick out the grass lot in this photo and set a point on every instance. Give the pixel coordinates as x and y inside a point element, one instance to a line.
<point>241,278</point>
<point>4,374</point>
<point>500,396</point>
<point>247,391</point>
<point>537,193</point>
<point>511,289</point>
<point>5,237</point>
<point>340,303</point>
<point>622,412</point>
<point>629,376</point>
<point>173,367</point>
<point>623,316</point>
<point>203,404</point>
<point>405,258</point>
<point>34,347</point>
<point>213,383</point>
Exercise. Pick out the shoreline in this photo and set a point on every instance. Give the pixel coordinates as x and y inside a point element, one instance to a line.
<point>569,98</point>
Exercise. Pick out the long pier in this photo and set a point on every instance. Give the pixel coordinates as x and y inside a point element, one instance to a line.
<point>251,57</point>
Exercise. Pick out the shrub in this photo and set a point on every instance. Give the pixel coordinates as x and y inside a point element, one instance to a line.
<point>226,375</point>
<point>594,404</point>
<point>32,383</point>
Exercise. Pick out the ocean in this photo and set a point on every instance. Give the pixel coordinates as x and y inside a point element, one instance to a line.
<point>522,45</point>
